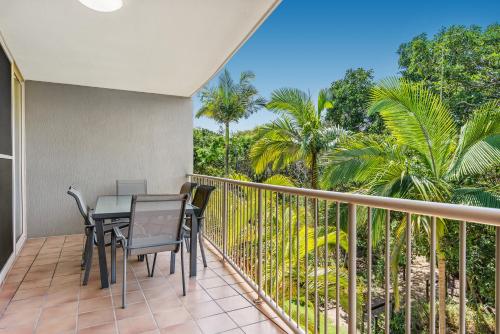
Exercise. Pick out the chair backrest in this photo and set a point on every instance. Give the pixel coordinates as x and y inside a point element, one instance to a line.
<point>187,188</point>
<point>156,221</point>
<point>201,198</point>
<point>131,187</point>
<point>74,192</point>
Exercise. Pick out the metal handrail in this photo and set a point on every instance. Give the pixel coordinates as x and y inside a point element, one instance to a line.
<point>227,228</point>
<point>474,214</point>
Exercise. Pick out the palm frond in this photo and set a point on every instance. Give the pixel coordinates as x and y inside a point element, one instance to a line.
<point>479,142</point>
<point>418,119</point>
<point>476,197</point>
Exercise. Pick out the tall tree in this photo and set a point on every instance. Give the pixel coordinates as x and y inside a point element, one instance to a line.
<point>228,102</point>
<point>300,133</point>
<point>460,63</point>
<point>425,157</point>
<point>350,98</point>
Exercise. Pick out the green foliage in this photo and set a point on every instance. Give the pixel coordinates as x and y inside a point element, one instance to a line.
<point>350,98</point>
<point>425,158</point>
<point>462,62</point>
<point>300,133</point>
<point>208,150</point>
<point>228,102</point>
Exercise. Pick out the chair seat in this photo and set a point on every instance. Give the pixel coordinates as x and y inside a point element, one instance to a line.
<point>152,245</point>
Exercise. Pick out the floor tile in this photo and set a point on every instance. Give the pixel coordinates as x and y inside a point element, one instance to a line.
<point>233,303</point>
<point>247,316</point>
<point>212,282</point>
<point>262,327</point>
<point>132,310</point>
<point>94,318</point>
<point>60,324</point>
<point>137,325</point>
<point>109,328</point>
<point>94,304</point>
<point>186,328</point>
<point>202,310</point>
<point>216,324</point>
<point>221,292</point>
<point>172,317</point>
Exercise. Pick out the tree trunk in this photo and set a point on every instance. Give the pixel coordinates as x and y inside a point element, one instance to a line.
<point>226,144</point>
<point>442,293</point>
<point>314,171</point>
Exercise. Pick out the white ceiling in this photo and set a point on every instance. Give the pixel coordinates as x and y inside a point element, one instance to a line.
<point>157,46</point>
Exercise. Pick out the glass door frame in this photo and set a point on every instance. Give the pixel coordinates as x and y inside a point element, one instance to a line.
<point>19,159</point>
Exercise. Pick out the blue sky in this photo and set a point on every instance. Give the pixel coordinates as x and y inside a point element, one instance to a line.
<point>308,44</point>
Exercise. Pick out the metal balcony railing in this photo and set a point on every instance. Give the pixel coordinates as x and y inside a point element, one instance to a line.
<point>285,241</point>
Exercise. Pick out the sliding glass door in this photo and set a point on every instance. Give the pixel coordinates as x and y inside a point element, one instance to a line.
<point>18,110</point>
<point>6,161</point>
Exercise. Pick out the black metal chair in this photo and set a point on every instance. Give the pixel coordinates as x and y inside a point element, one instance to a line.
<point>188,188</point>
<point>155,226</point>
<point>132,187</point>
<point>200,201</point>
<point>89,229</point>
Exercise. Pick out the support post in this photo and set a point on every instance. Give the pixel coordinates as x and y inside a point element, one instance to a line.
<point>352,269</point>
<point>259,247</point>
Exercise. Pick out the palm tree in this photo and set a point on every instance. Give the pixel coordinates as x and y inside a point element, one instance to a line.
<point>228,102</point>
<point>300,133</point>
<point>425,157</point>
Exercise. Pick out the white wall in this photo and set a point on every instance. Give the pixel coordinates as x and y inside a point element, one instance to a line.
<point>91,137</point>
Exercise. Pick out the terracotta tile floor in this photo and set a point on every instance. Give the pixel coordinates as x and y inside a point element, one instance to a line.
<point>43,294</point>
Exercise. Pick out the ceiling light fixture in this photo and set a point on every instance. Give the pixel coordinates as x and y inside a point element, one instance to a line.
<point>105,6</point>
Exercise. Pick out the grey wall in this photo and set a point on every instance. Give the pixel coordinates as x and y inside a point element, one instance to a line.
<point>91,137</point>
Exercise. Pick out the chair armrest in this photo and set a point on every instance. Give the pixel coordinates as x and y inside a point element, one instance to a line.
<point>119,235</point>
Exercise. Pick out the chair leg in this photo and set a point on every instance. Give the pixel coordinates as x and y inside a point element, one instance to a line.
<point>187,241</point>
<point>140,258</point>
<point>182,271</point>
<point>202,248</point>
<point>147,265</point>
<point>172,263</point>
<point>113,258</point>
<point>124,283</point>
<point>89,250</point>
<point>154,264</point>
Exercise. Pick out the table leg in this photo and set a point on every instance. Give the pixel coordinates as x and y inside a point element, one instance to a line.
<point>101,248</point>
<point>194,244</point>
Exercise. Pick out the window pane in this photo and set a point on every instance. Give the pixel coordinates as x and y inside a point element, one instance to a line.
<point>5,105</point>
<point>6,241</point>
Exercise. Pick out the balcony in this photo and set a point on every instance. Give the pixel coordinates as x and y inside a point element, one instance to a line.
<point>43,294</point>
<point>266,252</point>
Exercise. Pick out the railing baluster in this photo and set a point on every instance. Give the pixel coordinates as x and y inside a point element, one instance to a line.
<point>369,279</point>
<point>264,263</point>
<point>259,245</point>
<point>337,272</point>
<point>325,270</point>
<point>283,251</point>
<point>306,274</point>
<point>316,266</point>
<point>276,251</point>
<point>272,275</point>
<point>462,275</point>
<point>290,246</point>
<point>352,268</point>
<point>387,319</point>
<point>497,280</point>
<point>432,283</point>
<point>297,258</point>
<point>224,222</point>
<point>408,274</point>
